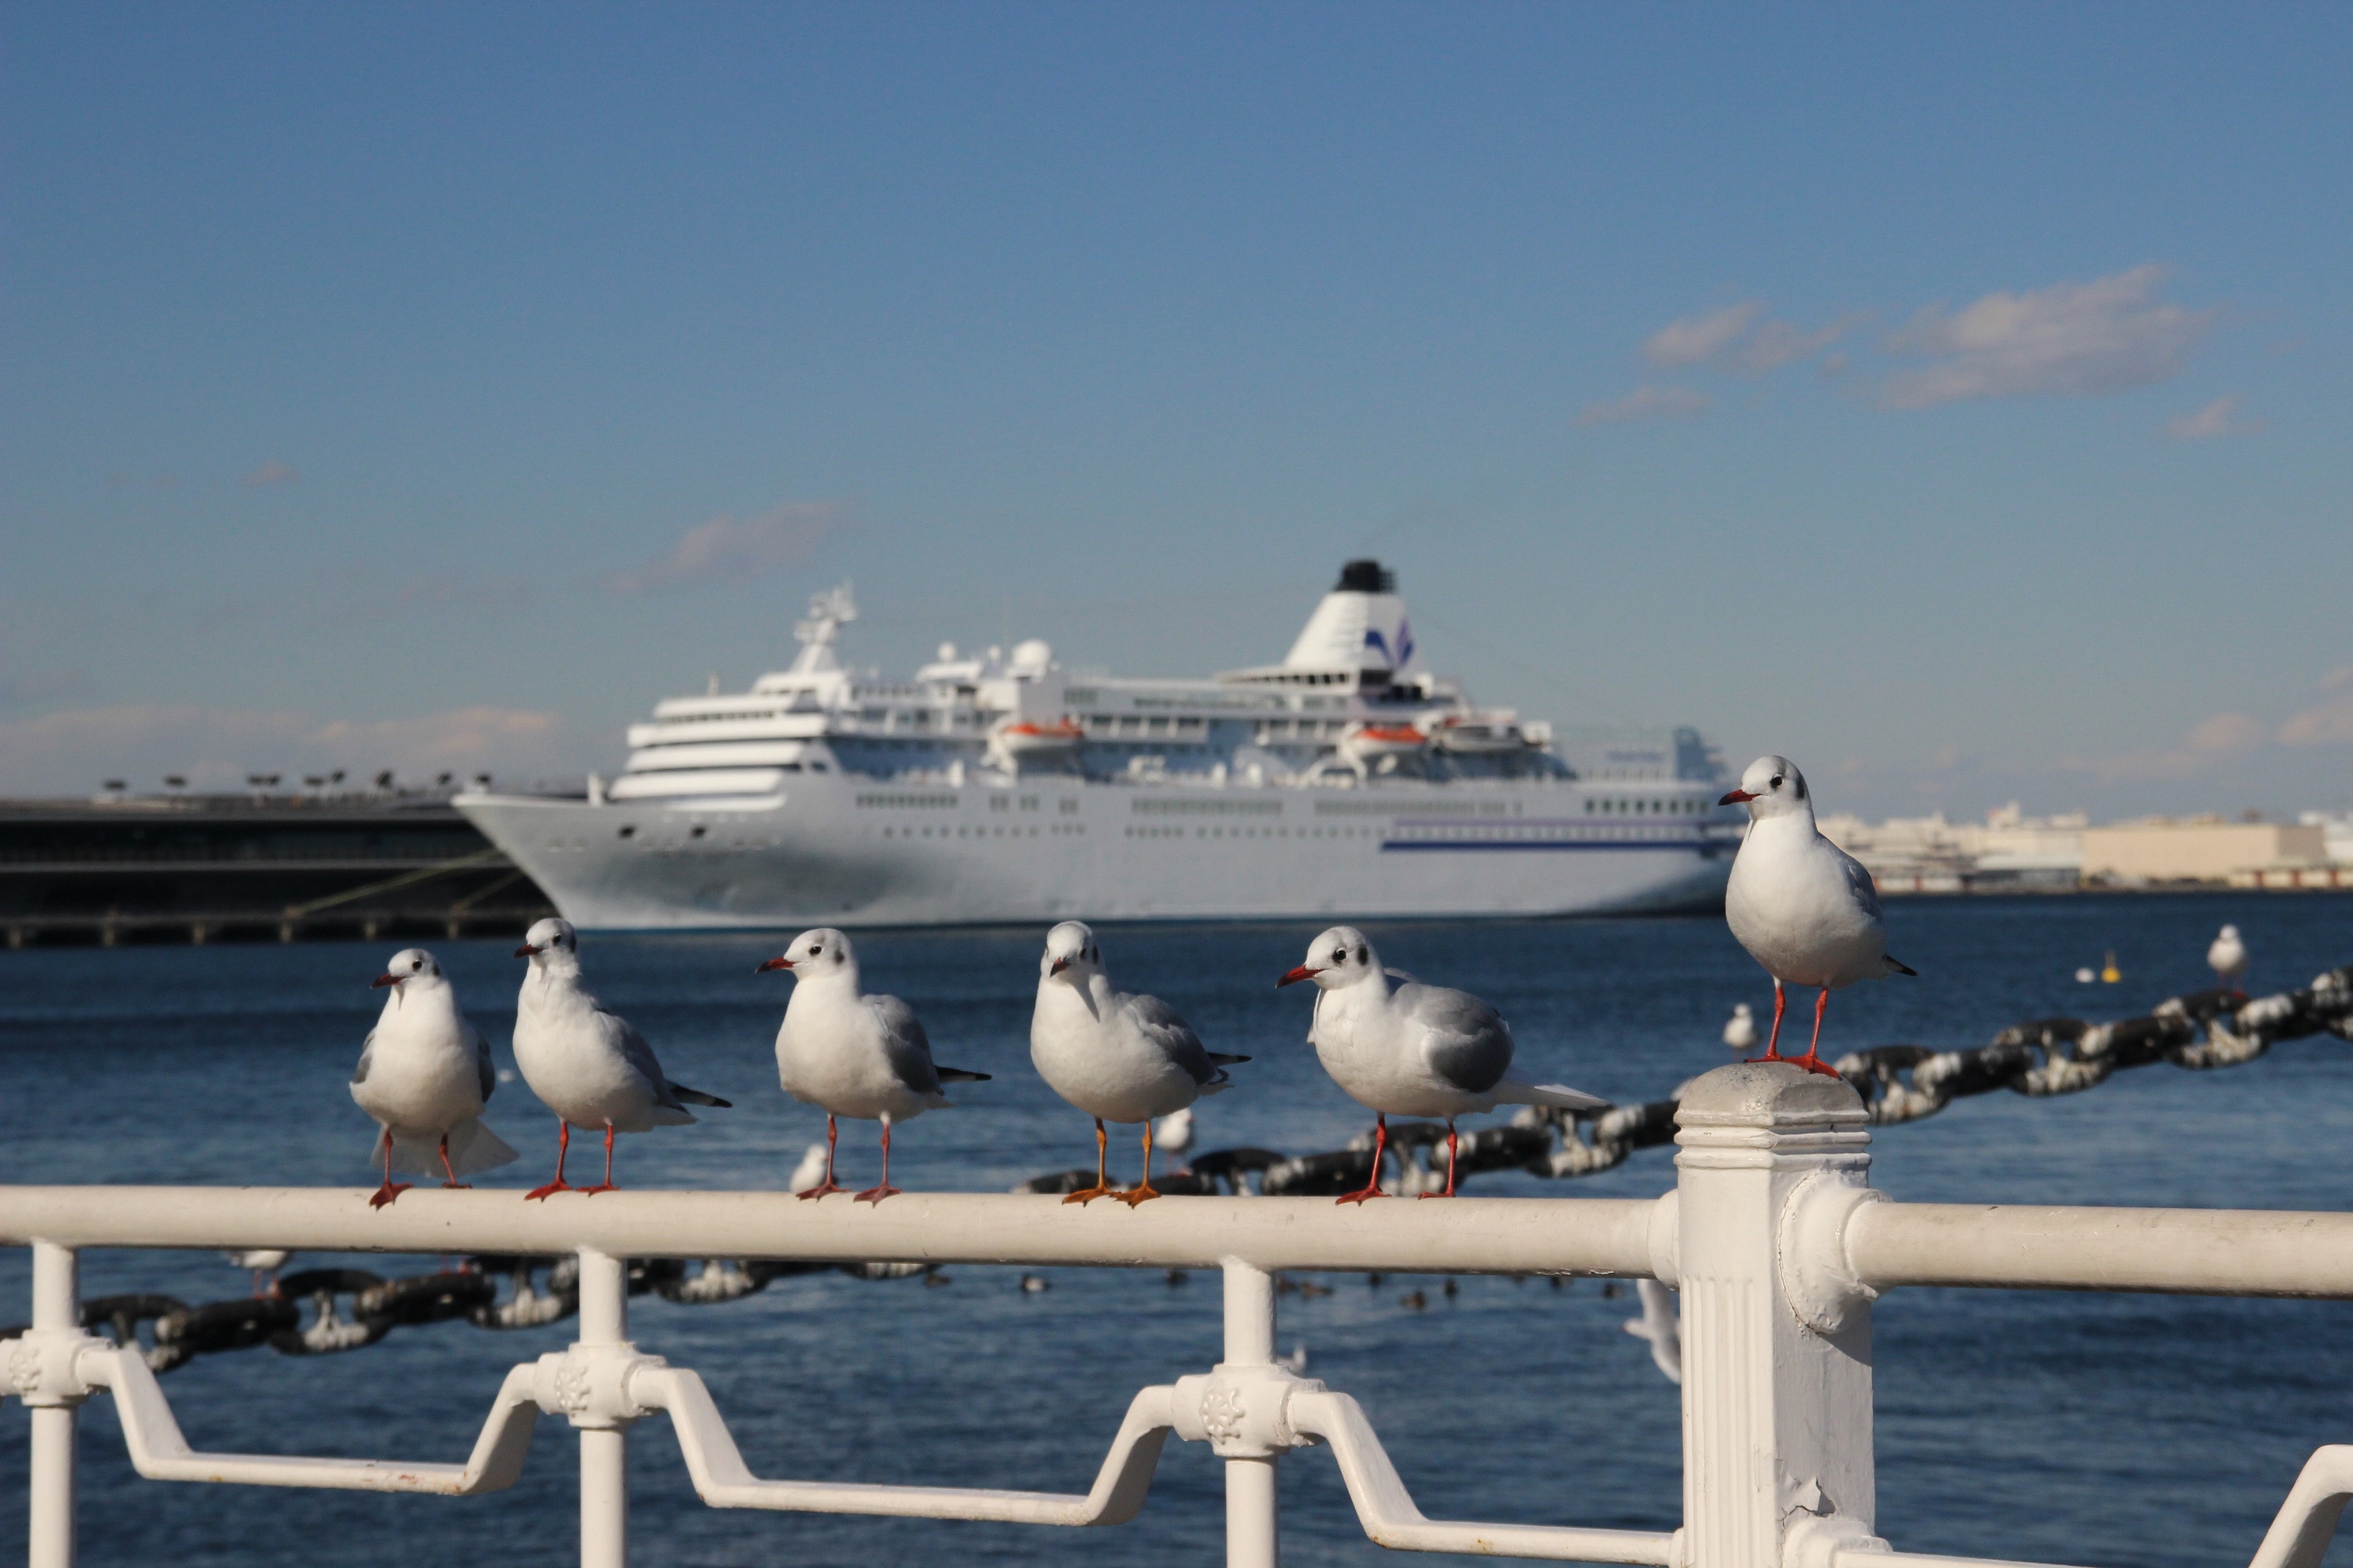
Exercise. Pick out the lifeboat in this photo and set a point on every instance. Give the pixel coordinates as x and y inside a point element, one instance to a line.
<point>1374,743</point>
<point>1464,737</point>
<point>1025,740</point>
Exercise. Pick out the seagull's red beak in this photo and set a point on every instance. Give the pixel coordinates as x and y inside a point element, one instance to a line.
<point>778,962</point>
<point>383,980</point>
<point>1302,972</point>
<point>1733,797</point>
<point>526,951</point>
<point>1059,965</point>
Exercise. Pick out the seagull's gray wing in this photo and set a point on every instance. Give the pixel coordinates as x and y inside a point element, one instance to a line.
<point>1858,880</point>
<point>367,1056</point>
<point>905,1045</point>
<point>1157,1022</point>
<point>623,1036</point>
<point>485,1072</point>
<point>1464,1040</point>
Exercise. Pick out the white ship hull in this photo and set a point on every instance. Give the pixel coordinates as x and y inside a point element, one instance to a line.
<point>845,851</point>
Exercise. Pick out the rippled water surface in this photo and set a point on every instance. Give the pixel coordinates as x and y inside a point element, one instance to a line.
<point>2085,1428</point>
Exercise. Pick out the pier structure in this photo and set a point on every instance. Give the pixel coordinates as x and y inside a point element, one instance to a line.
<point>1773,1238</point>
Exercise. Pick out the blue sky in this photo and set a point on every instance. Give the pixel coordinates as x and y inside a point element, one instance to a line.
<point>1955,399</point>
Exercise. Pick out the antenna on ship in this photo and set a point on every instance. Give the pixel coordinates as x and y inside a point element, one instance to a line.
<point>829,612</point>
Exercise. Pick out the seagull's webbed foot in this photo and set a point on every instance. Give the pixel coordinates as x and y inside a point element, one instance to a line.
<point>874,1194</point>
<point>1368,1194</point>
<point>1088,1194</point>
<point>457,1186</point>
<point>821,1189</point>
<point>1140,1195</point>
<point>557,1185</point>
<point>386,1193</point>
<point>1440,1195</point>
<point>1812,1063</point>
<point>599,1187</point>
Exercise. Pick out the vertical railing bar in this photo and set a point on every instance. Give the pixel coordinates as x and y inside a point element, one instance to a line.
<point>604,1451</point>
<point>1252,1526</point>
<point>57,1308</point>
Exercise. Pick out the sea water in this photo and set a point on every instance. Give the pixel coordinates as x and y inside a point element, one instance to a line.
<point>2088,1428</point>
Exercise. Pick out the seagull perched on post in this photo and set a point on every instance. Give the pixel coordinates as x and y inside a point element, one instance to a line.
<point>425,1074</point>
<point>1740,1029</point>
<point>2228,957</point>
<point>1803,908</point>
<point>1420,1050</point>
<point>854,1055</point>
<point>1117,1056</point>
<point>585,1062</point>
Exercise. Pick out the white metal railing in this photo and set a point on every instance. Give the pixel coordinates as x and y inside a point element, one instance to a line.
<point>1774,1242</point>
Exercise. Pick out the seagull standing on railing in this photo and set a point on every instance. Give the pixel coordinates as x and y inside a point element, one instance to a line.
<point>1117,1056</point>
<point>263,1263</point>
<point>1740,1029</point>
<point>1176,1137</point>
<point>2228,957</point>
<point>1420,1050</point>
<point>854,1055</point>
<point>1803,908</point>
<point>586,1063</point>
<point>425,1075</point>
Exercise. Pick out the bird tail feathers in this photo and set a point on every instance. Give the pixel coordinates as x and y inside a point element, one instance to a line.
<point>472,1148</point>
<point>1560,1096</point>
<point>1897,966</point>
<point>696,1096</point>
<point>1225,1061</point>
<point>961,1075</point>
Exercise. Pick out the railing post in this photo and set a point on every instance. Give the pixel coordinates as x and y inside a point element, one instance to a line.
<point>603,1446</point>
<point>1253,1529</point>
<point>57,1310</point>
<point>1777,1397</point>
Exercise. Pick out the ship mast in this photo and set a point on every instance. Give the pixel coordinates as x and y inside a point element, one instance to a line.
<point>829,612</point>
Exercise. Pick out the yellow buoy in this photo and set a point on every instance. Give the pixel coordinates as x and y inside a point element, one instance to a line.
<point>2110,972</point>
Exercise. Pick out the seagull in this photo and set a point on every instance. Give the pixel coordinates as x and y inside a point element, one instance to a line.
<point>854,1055</point>
<point>1175,1136</point>
<point>1117,1056</point>
<point>1420,1050</point>
<point>586,1063</point>
<point>1661,1325</point>
<point>425,1074</point>
<point>1803,908</point>
<point>263,1263</point>
<point>1740,1029</point>
<point>2228,957</point>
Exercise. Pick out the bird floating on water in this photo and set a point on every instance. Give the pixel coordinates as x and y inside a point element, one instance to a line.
<point>1116,1055</point>
<point>1803,908</point>
<point>585,1062</point>
<point>1418,1050</point>
<point>2228,957</point>
<point>425,1075</point>
<point>1740,1029</point>
<point>852,1054</point>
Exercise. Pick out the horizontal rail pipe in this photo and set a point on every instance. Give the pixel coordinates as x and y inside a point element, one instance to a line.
<point>2211,1252</point>
<point>1467,1235</point>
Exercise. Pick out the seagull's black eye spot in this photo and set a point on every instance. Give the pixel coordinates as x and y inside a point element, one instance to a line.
<point>1363,955</point>
<point>1776,784</point>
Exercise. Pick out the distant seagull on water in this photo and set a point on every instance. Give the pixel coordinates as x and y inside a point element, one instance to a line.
<point>1740,1029</point>
<point>1115,1054</point>
<point>852,1054</point>
<point>585,1062</point>
<point>2228,957</point>
<point>1420,1050</point>
<point>425,1075</point>
<point>1803,908</point>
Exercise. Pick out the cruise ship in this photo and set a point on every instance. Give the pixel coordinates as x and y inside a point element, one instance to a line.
<point>1345,782</point>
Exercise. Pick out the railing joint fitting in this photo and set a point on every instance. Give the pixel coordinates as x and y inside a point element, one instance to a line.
<point>1242,1411</point>
<point>589,1385</point>
<point>44,1367</point>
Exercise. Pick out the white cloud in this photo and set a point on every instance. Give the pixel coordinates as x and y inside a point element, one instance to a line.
<point>2329,723</point>
<point>725,549</point>
<point>2219,417</point>
<point>69,752</point>
<point>1646,403</point>
<point>271,476</point>
<point>2068,340</point>
<point>1696,340</point>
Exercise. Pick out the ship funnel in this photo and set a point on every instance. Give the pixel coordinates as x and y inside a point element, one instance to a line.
<point>1360,626</point>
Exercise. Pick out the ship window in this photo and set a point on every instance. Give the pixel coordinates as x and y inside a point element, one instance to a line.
<point>629,832</point>
<point>818,768</point>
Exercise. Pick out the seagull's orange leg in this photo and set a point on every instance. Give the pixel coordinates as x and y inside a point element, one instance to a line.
<point>606,1185</point>
<point>1101,1189</point>
<point>562,1148</point>
<point>1449,1162</point>
<point>1372,1188</point>
<point>391,1189</point>
<point>826,1185</point>
<point>1773,1041</point>
<point>1142,1192</point>
<point>453,1181</point>
<point>1811,1061</point>
<point>875,1194</point>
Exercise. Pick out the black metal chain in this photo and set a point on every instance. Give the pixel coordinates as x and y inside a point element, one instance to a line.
<point>351,1308</point>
